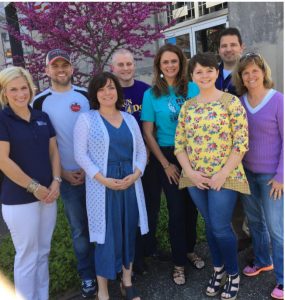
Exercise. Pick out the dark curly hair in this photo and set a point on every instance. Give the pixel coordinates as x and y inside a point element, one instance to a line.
<point>99,81</point>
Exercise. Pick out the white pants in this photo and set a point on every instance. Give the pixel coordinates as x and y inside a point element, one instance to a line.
<point>31,227</point>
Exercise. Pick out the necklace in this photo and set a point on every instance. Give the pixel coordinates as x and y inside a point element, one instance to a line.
<point>205,100</point>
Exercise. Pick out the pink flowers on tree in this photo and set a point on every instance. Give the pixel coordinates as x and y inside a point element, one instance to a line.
<point>90,31</point>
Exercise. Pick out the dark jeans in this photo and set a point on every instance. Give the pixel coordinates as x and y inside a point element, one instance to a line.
<point>74,202</point>
<point>265,219</point>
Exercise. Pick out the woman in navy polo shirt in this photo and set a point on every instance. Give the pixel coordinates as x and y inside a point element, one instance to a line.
<point>30,162</point>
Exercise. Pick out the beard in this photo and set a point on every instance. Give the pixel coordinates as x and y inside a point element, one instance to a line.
<point>63,83</point>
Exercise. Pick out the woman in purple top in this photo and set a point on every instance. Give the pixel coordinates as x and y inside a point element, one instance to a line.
<point>264,165</point>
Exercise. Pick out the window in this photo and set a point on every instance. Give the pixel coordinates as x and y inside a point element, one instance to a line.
<point>206,8</point>
<point>182,41</point>
<point>207,39</point>
<point>181,11</point>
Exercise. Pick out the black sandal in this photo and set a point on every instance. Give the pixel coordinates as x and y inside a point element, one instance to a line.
<point>216,281</point>
<point>129,292</point>
<point>231,288</point>
<point>178,273</point>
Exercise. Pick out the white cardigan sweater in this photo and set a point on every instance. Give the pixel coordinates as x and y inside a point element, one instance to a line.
<point>91,148</point>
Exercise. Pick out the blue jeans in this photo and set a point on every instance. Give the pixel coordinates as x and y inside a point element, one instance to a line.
<point>217,209</point>
<point>265,220</point>
<point>74,201</point>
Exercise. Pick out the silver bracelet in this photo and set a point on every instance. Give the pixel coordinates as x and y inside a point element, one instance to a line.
<point>38,186</point>
<point>33,186</point>
<point>57,178</point>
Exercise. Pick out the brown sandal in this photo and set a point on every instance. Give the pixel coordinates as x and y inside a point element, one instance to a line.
<point>178,273</point>
<point>195,260</point>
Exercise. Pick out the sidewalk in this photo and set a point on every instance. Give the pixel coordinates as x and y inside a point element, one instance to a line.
<point>157,284</point>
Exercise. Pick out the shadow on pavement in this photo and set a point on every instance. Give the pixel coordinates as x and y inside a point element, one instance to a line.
<point>158,285</point>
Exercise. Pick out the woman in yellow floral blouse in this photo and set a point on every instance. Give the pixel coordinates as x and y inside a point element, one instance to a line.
<point>211,139</point>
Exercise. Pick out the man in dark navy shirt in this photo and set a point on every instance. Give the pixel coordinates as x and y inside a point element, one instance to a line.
<point>230,50</point>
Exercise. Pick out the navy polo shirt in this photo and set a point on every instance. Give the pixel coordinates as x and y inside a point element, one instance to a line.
<point>225,84</point>
<point>29,149</point>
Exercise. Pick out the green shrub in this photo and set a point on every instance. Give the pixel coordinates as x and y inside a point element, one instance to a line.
<point>7,253</point>
<point>63,271</point>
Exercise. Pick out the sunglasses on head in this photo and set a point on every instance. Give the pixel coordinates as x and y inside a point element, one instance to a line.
<point>250,55</point>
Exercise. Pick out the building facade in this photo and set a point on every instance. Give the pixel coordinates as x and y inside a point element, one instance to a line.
<point>198,24</point>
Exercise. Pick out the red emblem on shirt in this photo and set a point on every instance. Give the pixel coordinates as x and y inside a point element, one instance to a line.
<point>75,107</point>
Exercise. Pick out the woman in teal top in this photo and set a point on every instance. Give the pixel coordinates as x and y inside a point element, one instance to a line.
<point>160,110</point>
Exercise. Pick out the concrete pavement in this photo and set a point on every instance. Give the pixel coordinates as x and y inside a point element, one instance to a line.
<point>157,284</point>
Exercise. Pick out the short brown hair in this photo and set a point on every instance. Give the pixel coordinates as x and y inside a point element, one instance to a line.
<point>99,81</point>
<point>207,59</point>
<point>229,31</point>
<point>245,60</point>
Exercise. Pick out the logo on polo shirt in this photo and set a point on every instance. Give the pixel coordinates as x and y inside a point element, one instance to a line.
<point>75,107</point>
<point>41,123</point>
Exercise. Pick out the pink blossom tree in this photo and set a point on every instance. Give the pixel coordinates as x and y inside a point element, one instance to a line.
<point>90,31</point>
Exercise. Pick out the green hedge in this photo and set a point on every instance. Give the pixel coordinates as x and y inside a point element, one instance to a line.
<point>63,274</point>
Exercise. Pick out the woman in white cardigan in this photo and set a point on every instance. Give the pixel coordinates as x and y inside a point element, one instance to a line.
<point>110,149</point>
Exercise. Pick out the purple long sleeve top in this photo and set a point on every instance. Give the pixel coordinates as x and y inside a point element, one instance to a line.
<point>265,122</point>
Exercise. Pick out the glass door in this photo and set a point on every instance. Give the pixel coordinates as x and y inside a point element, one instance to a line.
<point>180,38</point>
<point>200,37</point>
<point>204,36</point>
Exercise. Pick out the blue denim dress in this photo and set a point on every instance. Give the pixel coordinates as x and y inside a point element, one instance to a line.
<point>121,207</point>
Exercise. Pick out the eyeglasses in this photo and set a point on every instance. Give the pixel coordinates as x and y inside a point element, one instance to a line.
<point>251,55</point>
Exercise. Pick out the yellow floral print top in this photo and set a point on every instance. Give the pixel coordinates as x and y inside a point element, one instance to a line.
<point>209,132</point>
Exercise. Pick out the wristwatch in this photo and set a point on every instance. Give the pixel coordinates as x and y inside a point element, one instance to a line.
<point>57,178</point>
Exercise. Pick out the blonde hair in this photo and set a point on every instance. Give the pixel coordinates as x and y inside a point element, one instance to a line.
<point>12,73</point>
<point>247,59</point>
